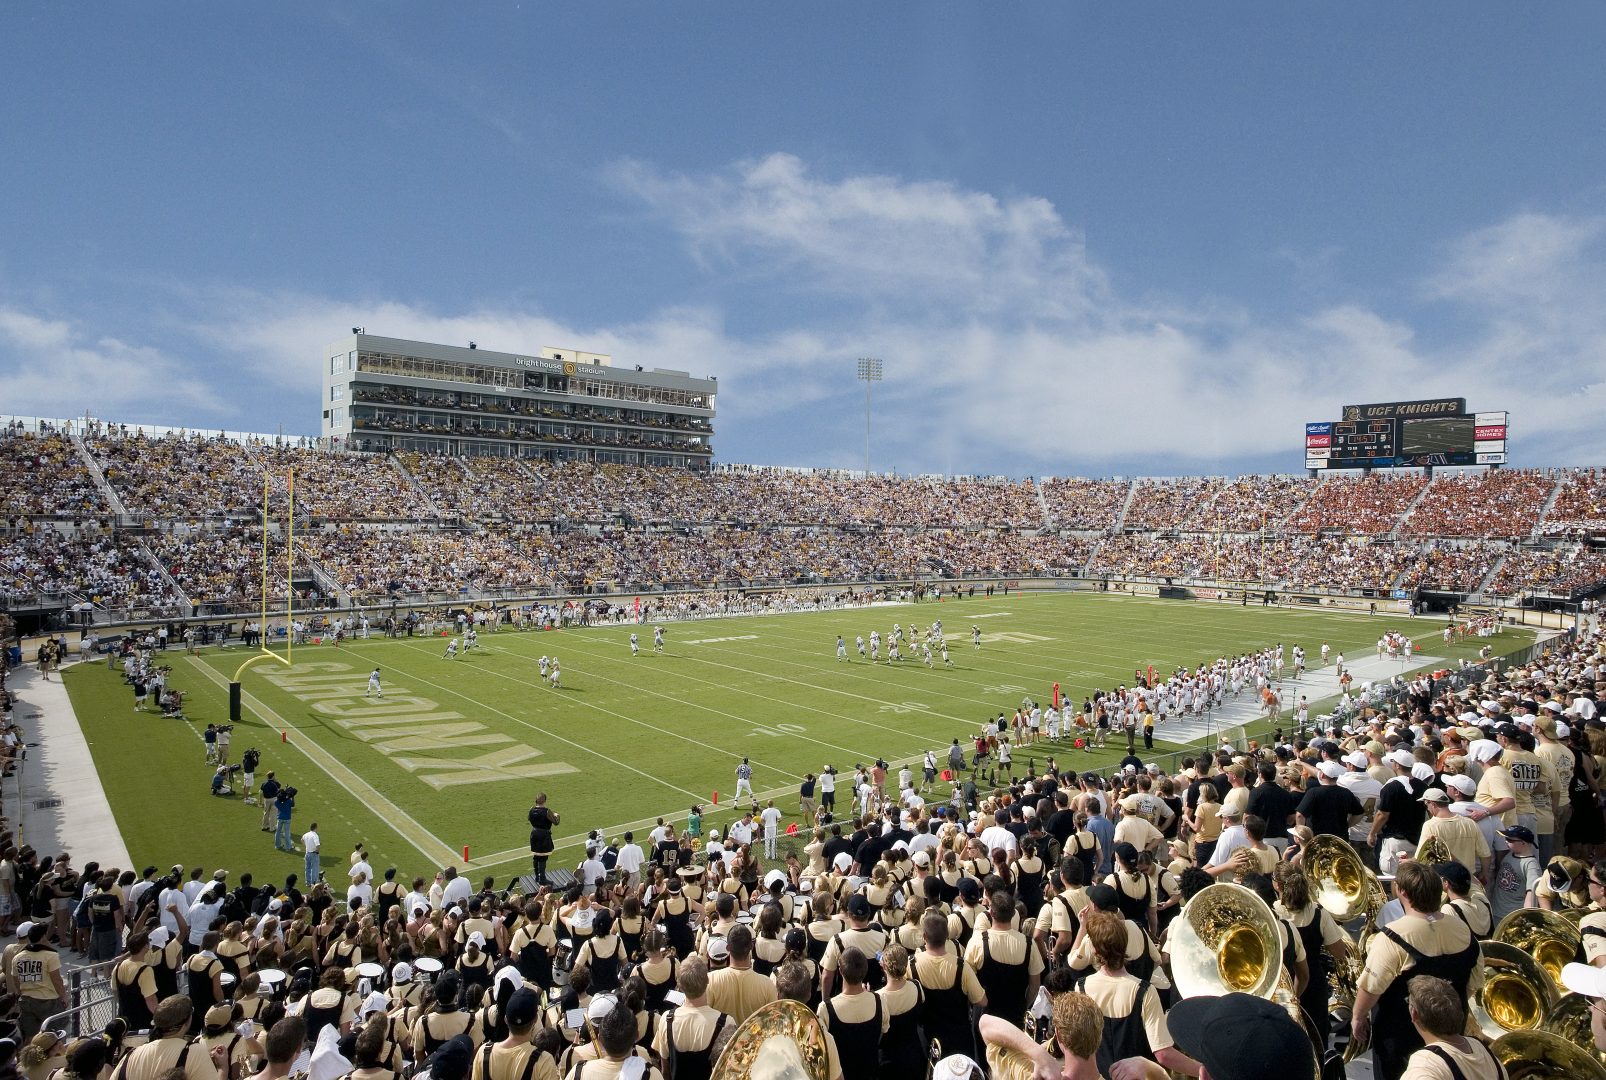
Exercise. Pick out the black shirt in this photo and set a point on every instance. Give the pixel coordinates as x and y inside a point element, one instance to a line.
<point>1061,825</point>
<point>1274,803</point>
<point>1328,808</point>
<point>834,847</point>
<point>103,909</point>
<point>1406,814</point>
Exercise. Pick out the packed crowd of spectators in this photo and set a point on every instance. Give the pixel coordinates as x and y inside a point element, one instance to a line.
<point>98,567</point>
<point>1368,504</point>
<point>924,901</point>
<point>1559,569</point>
<point>1077,503</point>
<point>1455,568</point>
<point>1580,503</point>
<point>222,566</point>
<point>42,475</point>
<point>1499,503</point>
<point>535,525</point>
<point>183,478</point>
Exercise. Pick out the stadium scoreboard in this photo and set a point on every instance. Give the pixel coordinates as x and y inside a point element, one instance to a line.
<point>1407,434</point>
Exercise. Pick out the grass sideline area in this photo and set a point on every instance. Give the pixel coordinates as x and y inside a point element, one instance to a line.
<point>455,753</point>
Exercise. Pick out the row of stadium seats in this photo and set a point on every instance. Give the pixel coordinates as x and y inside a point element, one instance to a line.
<point>192,478</point>
<point>521,526</point>
<point>165,571</point>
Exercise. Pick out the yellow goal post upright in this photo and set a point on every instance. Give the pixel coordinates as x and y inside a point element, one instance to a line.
<point>263,651</point>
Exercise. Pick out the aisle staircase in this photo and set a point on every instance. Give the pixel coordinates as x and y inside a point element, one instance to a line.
<point>1410,508</point>
<point>1494,568</point>
<point>1544,512</point>
<point>107,492</point>
<point>172,582</point>
<point>418,489</point>
<point>1131,494</point>
<point>328,584</point>
<point>1042,502</point>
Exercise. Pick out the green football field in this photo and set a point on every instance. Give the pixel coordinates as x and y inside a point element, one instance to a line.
<point>457,749</point>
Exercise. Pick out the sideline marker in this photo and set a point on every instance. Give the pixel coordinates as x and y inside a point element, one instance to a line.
<point>465,853</point>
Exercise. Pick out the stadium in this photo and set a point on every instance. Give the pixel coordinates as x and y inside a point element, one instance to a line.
<point>415,600</point>
<point>1200,676</point>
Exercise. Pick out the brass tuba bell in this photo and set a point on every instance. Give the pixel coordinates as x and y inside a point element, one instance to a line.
<point>1225,942</point>
<point>1434,850</point>
<point>1539,1055</point>
<point>781,1041</point>
<point>1340,881</point>
<point>1549,938</point>
<point>1517,994</point>
<point>1570,1020</point>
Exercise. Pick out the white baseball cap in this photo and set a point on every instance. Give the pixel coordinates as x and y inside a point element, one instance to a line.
<point>1584,979</point>
<point>1331,769</point>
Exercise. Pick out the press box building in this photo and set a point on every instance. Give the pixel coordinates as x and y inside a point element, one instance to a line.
<point>383,393</point>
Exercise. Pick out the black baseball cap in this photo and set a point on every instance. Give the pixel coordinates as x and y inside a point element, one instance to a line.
<point>1241,1037</point>
<point>1520,833</point>
<point>1102,897</point>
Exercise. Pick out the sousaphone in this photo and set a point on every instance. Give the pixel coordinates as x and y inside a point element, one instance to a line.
<point>1546,936</point>
<point>1570,1020</point>
<point>1540,1055</point>
<point>1340,881</point>
<point>1225,942</point>
<point>1517,994</point>
<point>1433,850</point>
<point>781,1041</point>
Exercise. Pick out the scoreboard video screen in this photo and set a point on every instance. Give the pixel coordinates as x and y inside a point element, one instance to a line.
<point>1407,434</point>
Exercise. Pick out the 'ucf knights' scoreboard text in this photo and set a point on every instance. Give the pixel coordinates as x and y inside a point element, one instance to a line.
<point>1407,434</point>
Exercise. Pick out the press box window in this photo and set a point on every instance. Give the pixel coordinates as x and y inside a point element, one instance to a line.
<point>336,393</point>
<point>337,364</point>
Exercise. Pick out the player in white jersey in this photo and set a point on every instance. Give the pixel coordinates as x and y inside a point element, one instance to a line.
<point>1299,662</point>
<point>1325,651</point>
<point>892,651</point>
<point>975,636</point>
<point>875,645</point>
<point>841,649</point>
<point>635,646</point>
<point>471,638</point>
<point>451,650</point>
<point>858,640</point>
<point>658,639</point>
<point>557,674</point>
<point>925,649</point>
<point>373,685</point>
<point>544,662</point>
<point>946,661</point>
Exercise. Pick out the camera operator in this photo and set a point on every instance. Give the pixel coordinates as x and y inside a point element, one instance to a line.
<point>225,732</point>
<point>285,806</point>
<point>223,779</point>
<point>248,778</point>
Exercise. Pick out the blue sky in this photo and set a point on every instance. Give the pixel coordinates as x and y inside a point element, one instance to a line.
<point>1112,239</point>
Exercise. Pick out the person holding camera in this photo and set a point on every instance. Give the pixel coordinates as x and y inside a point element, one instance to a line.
<point>248,779</point>
<point>285,807</point>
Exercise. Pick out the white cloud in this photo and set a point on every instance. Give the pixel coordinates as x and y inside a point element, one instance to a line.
<point>1006,347</point>
<point>51,369</point>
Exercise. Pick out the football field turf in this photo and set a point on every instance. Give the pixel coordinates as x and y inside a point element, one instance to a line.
<point>457,749</point>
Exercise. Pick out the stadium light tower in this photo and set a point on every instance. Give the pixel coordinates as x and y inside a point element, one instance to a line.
<point>869,372</point>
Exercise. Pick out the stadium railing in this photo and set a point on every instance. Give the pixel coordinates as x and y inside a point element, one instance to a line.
<point>91,1001</point>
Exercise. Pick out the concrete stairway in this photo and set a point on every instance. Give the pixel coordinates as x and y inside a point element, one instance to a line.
<point>107,492</point>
